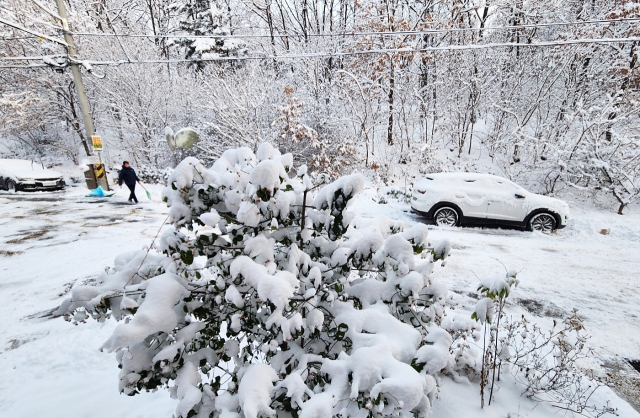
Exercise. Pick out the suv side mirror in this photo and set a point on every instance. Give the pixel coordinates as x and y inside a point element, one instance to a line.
<point>519,196</point>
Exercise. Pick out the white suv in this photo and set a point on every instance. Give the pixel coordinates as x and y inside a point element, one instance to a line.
<point>483,199</point>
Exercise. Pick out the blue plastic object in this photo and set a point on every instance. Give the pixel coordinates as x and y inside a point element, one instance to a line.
<point>97,192</point>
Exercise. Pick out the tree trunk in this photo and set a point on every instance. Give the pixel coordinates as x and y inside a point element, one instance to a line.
<point>391,91</point>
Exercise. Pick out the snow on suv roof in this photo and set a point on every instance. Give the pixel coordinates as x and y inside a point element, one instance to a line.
<point>450,181</point>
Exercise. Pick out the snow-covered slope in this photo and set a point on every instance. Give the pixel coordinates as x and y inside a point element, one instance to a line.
<point>54,369</point>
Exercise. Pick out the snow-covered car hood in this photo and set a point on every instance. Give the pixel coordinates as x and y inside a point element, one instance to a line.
<point>538,200</point>
<point>17,169</point>
<point>33,174</point>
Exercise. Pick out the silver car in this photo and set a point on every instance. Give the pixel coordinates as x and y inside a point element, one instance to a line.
<point>16,175</point>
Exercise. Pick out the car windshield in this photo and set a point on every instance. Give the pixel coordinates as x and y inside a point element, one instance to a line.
<point>509,185</point>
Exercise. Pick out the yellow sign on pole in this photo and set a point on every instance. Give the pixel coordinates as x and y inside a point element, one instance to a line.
<point>99,171</point>
<point>96,142</point>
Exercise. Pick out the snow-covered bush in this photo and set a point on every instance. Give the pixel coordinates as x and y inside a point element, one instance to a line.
<point>495,291</point>
<point>390,192</point>
<point>152,175</point>
<point>268,298</point>
<point>546,362</point>
<point>147,174</point>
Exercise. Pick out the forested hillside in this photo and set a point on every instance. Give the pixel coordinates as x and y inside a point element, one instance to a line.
<point>546,93</point>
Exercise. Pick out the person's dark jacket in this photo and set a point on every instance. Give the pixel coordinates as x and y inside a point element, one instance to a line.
<point>128,176</point>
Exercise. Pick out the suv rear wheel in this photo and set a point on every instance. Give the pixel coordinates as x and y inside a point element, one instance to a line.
<point>446,216</point>
<point>543,222</point>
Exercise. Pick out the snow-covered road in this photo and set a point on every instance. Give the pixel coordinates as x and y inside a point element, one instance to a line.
<point>49,241</point>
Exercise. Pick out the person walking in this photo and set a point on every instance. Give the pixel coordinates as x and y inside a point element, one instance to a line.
<point>129,177</point>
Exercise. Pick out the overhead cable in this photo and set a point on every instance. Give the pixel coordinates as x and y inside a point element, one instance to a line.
<point>89,63</point>
<point>371,51</point>
<point>39,35</point>
<point>352,34</point>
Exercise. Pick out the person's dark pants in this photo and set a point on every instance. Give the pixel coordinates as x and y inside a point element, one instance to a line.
<point>132,196</point>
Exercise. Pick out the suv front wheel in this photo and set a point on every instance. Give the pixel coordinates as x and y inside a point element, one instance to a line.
<point>446,216</point>
<point>543,222</point>
<point>10,186</point>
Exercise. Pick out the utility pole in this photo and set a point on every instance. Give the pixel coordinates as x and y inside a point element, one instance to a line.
<point>77,76</point>
<point>77,79</point>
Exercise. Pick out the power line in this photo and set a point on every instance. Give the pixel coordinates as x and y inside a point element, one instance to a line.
<point>352,34</point>
<point>23,67</point>
<point>342,34</point>
<point>39,35</point>
<point>18,38</point>
<point>372,51</point>
<point>42,57</point>
<point>89,63</point>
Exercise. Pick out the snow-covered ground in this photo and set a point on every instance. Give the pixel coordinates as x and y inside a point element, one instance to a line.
<point>49,241</point>
<point>576,267</point>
